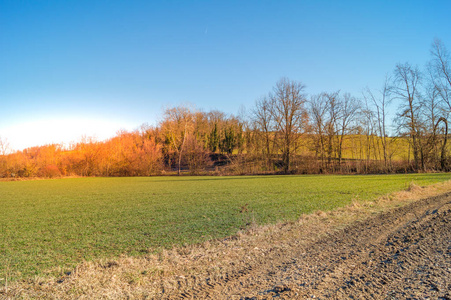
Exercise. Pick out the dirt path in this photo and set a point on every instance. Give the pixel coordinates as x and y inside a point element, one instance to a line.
<point>404,253</point>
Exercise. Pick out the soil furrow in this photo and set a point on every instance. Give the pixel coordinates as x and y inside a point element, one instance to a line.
<point>403,253</point>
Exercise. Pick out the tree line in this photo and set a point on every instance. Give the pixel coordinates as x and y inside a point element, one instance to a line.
<point>286,131</point>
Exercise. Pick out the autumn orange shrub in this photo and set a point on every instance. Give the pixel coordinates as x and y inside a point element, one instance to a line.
<point>49,171</point>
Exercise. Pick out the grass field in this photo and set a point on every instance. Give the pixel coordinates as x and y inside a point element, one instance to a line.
<point>46,224</point>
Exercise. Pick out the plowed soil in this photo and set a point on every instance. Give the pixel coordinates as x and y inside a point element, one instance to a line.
<point>401,254</point>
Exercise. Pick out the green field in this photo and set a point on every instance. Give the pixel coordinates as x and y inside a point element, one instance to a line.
<point>58,223</point>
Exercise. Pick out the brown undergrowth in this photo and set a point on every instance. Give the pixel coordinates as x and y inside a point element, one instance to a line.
<point>163,275</point>
<point>38,178</point>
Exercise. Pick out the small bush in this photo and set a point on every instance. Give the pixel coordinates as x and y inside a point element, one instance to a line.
<point>50,171</point>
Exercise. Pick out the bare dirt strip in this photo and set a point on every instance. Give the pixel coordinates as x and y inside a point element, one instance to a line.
<point>398,247</point>
<point>404,253</point>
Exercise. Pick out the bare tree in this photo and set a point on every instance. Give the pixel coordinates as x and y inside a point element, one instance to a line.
<point>4,146</point>
<point>440,78</point>
<point>332,116</point>
<point>263,118</point>
<point>406,83</point>
<point>289,116</point>
<point>333,107</point>
<point>4,150</point>
<point>319,106</point>
<point>435,137</point>
<point>440,69</point>
<point>381,105</point>
<point>177,125</point>
<point>348,109</point>
<point>367,130</point>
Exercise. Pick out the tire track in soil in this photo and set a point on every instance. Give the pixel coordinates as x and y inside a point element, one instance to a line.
<point>403,253</point>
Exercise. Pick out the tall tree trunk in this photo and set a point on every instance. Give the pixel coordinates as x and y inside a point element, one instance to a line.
<point>181,151</point>
<point>443,154</point>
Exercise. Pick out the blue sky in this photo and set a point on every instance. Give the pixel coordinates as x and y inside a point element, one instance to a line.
<point>104,65</point>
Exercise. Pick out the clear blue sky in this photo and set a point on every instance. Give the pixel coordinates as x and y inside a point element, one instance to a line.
<point>124,61</point>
